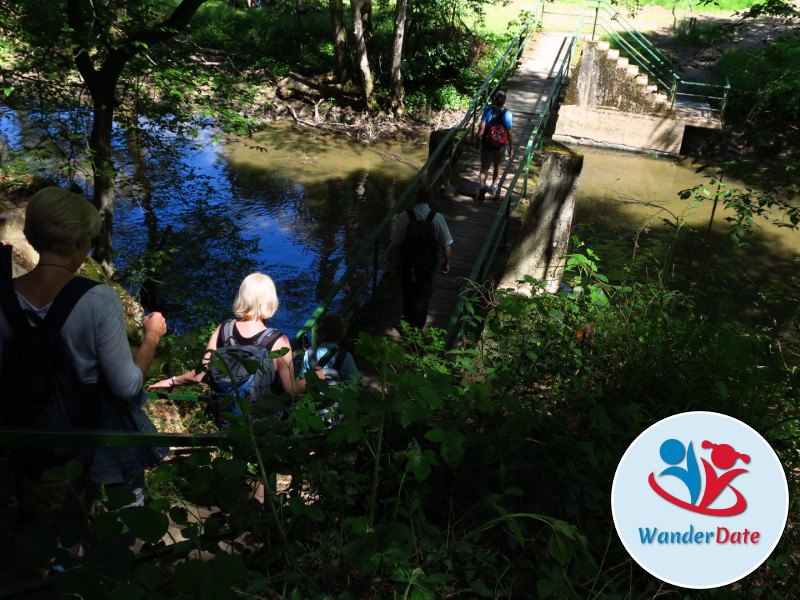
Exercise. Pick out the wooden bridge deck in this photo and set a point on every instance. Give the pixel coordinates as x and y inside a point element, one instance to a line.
<point>469,220</point>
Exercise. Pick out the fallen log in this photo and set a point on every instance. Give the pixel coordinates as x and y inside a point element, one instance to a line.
<point>294,86</point>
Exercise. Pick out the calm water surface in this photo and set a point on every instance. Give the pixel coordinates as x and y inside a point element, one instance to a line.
<point>628,199</point>
<point>298,204</point>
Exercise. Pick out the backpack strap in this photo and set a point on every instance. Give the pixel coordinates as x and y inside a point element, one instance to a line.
<point>66,300</point>
<point>59,310</point>
<point>268,338</point>
<point>6,262</point>
<point>490,121</point>
<point>412,216</point>
<point>226,334</point>
<point>311,353</point>
<point>339,362</point>
<point>326,358</point>
<point>9,304</point>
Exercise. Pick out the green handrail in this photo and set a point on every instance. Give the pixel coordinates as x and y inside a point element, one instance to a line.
<point>651,60</point>
<point>496,234</point>
<point>504,66</point>
<point>12,438</point>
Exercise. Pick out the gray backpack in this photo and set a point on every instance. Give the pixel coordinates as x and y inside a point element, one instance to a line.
<point>242,371</point>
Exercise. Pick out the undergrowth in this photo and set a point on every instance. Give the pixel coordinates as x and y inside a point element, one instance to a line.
<point>485,472</point>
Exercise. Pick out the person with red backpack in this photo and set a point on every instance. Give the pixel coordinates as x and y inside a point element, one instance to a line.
<point>494,135</point>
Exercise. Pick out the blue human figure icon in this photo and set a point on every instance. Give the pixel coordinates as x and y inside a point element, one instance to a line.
<point>672,452</point>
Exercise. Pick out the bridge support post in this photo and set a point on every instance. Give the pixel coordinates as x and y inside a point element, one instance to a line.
<point>543,238</point>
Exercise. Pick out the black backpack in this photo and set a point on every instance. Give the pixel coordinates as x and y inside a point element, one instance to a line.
<point>332,374</point>
<point>420,249</point>
<point>241,371</point>
<point>495,135</point>
<point>40,388</point>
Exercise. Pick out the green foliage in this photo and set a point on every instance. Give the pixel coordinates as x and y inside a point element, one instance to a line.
<point>747,205</point>
<point>483,472</point>
<point>487,469</point>
<point>765,83</point>
<point>448,98</point>
<point>277,38</point>
<point>703,35</point>
<point>723,6</point>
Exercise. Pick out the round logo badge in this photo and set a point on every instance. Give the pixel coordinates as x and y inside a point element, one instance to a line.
<point>700,500</point>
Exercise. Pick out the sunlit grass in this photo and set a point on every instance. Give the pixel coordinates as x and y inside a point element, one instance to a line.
<point>498,16</point>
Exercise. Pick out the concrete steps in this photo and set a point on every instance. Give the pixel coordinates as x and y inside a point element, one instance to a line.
<point>631,72</point>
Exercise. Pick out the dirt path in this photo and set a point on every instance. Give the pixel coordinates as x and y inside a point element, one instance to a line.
<point>697,62</point>
<point>667,30</point>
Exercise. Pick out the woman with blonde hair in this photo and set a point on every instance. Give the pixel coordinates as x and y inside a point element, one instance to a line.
<point>255,302</point>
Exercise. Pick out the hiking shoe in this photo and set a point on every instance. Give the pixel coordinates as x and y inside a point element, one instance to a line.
<point>493,189</point>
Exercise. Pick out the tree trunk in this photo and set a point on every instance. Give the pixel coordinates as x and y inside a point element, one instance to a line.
<point>543,239</point>
<point>300,34</point>
<point>366,20</point>
<point>365,73</point>
<point>101,81</point>
<point>341,47</point>
<point>104,180</point>
<point>402,11</point>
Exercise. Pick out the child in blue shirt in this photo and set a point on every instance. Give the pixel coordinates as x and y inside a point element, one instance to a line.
<point>326,354</point>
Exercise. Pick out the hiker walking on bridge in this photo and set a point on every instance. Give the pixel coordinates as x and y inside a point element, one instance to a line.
<point>494,137</point>
<point>419,235</point>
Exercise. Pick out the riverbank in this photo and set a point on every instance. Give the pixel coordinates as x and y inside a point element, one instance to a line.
<point>696,41</point>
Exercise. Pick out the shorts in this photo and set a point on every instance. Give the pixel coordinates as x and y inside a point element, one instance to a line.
<point>491,157</point>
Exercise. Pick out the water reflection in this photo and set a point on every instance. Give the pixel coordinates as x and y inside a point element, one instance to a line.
<point>626,194</point>
<point>306,201</point>
<point>298,204</point>
<point>628,207</point>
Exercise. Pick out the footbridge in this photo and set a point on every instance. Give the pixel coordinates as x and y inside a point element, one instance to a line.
<point>534,70</point>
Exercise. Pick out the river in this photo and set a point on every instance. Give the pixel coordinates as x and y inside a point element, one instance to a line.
<point>294,203</point>
<point>298,204</point>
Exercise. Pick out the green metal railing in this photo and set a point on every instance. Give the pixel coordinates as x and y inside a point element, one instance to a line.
<point>28,438</point>
<point>497,232</point>
<point>371,256</point>
<point>367,261</point>
<point>656,63</point>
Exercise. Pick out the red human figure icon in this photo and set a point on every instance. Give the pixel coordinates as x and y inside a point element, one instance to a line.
<point>724,457</point>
